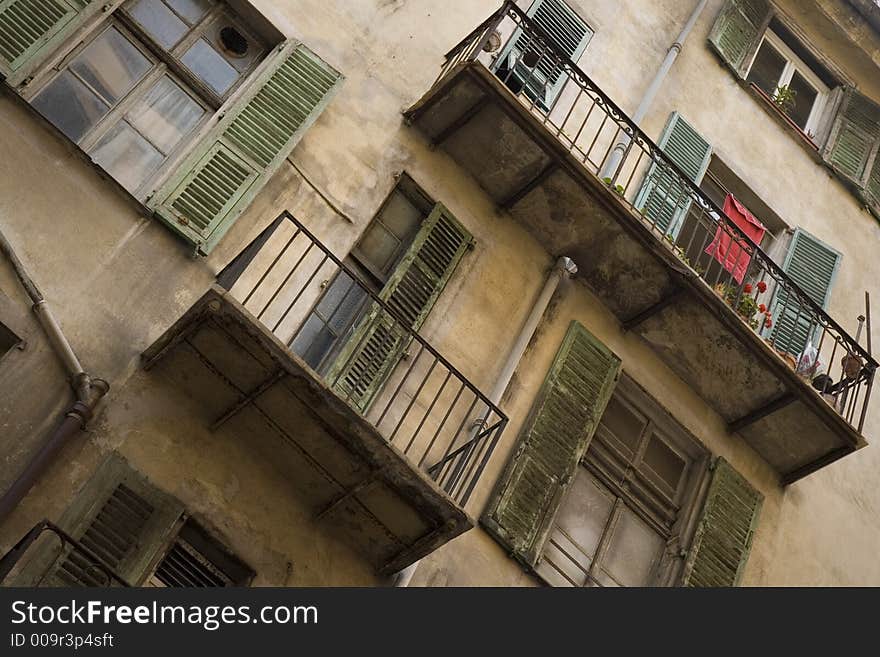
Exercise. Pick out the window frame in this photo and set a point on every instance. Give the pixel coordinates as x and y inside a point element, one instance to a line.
<point>163,63</point>
<point>689,498</point>
<point>793,63</point>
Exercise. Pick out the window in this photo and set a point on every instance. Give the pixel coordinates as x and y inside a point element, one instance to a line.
<point>791,83</point>
<point>186,105</point>
<point>196,559</point>
<point>526,66</point>
<point>137,531</point>
<point>602,488</point>
<point>620,524</point>
<point>134,94</point>
<point>377,253</point>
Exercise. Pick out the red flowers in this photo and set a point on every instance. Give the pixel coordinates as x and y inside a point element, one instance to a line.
<point>747,288</point>
<point>762,286</point>
<point>762,308</point>
<point>768,322</point>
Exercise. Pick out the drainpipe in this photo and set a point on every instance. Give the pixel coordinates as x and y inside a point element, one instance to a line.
<point>88,391</point>
<point>622,144</point>
<point>564,267</point>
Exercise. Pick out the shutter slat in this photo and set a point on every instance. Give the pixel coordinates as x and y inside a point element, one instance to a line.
<point>29,29</point>
<point>233,161</point>
<point>855,138</point>
<point>738,30</point>
<point>561,425</point>
<point>378,342</point>
<point>724,535</point>
<point>664,197</point>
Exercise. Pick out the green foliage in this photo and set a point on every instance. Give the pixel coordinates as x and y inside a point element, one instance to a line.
<point>785,98</point>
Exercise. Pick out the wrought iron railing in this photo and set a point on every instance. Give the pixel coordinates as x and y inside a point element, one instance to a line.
<point>610,146</point>
<point>418,401</point>
<point>92,571</point>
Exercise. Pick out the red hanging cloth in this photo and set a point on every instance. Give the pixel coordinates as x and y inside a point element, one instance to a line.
<point>733,256</point>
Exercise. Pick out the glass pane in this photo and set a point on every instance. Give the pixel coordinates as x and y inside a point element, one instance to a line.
<point>313,341</point>
<point>70,106</point>
<point>585,512</point>
<point>624,424</point>
<point>165,115</point>
<point>341,303</point>
<point>111,65</point>
<point>210,67</point>
<point>191,10</point>
<point>236,47</point>
<point>401,216</point>
<point>668,465</point>
<point>767,69</point>
<point>159,22</point>
<point>804,99</point>
<point>126,156</point>
<point>379,247</point>
<point>633,551</point>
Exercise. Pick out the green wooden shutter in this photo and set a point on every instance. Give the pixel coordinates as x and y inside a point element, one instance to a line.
<point>30,30</point>
<point>378,342</point>
<point>121,518</point>
<point>570,36</point>
<point>872,191</point>
<point>813,266</point>
<point>238,155</point>
<point>738,31</point>
<point>555,438</point>
<point>664,197</point>
<point>724,535</point>
<point>852,146</point>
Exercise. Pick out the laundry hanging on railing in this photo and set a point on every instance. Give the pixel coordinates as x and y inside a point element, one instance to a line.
<point>734,256</point>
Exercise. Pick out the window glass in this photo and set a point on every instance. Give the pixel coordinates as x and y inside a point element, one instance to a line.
<point>159,22</point>
<point>70,105</point>
<point>126,155</point>
<point>111,65</point>
<point>624,425</point>
<point>767,69</point>
<point>665,463</point>
<point>804,99</point>
<point>166,115</point>
<point>397,223</point>
<point>210,67</point>
<point>192,11</point>
<point>633,552</point>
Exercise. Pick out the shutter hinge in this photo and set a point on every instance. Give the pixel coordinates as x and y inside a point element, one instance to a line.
<point>107,7</point>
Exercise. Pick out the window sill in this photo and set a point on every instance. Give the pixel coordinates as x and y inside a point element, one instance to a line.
<point>766,102</point>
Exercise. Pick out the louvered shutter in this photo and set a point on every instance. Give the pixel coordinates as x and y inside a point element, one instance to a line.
<point>813,266</point>
<point>253,136</point>
<point>569,35</point>
<point>30,30</point>
<point>872,191</point>
<point>738,31</point>
<point>122,519</point>
<point>855,138</point>
<point>556,436</point>
<point>664,197</point>
<point>724,535</point>
<point>378,341</point>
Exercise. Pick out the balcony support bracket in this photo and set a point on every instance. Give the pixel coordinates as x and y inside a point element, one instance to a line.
<point>762,412</point>
<point>526,189</point>
<point>348,494</point>
<point>650,311</point>
<point>271,380</point>
<point>461,121</point>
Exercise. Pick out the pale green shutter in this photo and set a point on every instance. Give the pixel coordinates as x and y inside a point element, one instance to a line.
<point>122,519</point>
<point>31,29</point>
<point>872,191</point>
<point>738,31</point>
<point>569,35</point>
<point>664,197</point>
<point>855,138</point>
<point>378,342</point>
<point>724,535</point>
<point>237,156</point>
<point>813,266</point>
<point>555,438</point>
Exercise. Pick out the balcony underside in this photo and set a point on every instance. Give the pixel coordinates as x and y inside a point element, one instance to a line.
<point>251,386</point>
<point>529,173</point>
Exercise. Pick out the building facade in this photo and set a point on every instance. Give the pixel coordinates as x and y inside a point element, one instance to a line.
<point>558,292</point>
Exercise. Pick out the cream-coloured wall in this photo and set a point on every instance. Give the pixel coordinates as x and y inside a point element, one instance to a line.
<point>118,281</point>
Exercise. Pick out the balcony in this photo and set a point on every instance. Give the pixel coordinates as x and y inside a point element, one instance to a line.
<point>386,446</point>
<point>553,151</point>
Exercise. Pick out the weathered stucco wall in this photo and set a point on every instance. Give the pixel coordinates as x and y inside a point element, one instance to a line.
<point>118,280</point>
